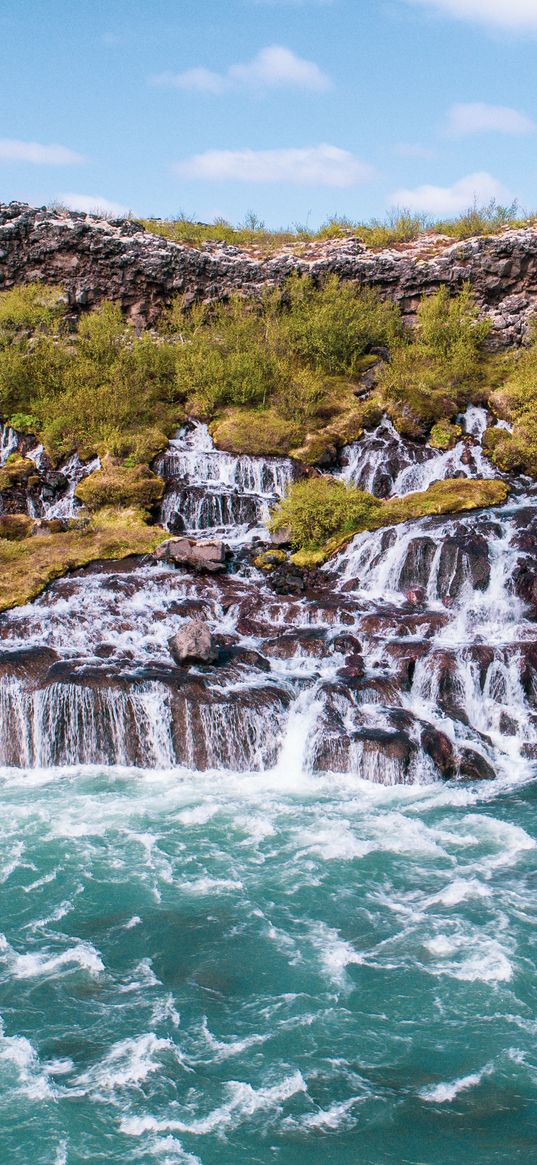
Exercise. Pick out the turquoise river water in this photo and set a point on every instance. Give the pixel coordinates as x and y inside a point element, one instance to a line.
<point>240,970</point>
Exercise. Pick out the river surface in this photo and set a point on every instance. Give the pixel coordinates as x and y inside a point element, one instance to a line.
<point>239,970</point>
<point>283,910</point>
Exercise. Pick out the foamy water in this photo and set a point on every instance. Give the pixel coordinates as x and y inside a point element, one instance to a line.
<point>228,969</point>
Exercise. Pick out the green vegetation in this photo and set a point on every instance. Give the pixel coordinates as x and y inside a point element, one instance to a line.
<point>515,401</point>
<point>120,486</point>
<point>444,435</point>
<point>399,226</point>
<point>321,513</point>
<point>29,564</point>
<point>103,389</point>
<point>320,508</point>
<point>441,368</point>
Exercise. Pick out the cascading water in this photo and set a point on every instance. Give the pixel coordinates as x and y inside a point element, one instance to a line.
<point>277,905</point>
<point>210,493</point>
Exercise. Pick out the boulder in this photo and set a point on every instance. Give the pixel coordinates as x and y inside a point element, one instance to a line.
<point>204,557</point>
<point>193,643</point>
<point>474,767</point>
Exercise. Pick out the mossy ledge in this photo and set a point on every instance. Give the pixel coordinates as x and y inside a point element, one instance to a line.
<point>28,565</point>
<point>443,497</point>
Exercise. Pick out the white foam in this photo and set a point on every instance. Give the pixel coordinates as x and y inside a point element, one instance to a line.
<point>243,1102</point>
<point>82,955</point>
<point>445,1093</point>
<point>335,953</point>
<point>128,1063</point>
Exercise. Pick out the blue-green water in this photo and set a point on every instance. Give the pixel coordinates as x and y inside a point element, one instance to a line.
<point>226,971</point>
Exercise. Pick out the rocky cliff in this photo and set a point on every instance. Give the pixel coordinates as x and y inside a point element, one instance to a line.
<point>94,258</point>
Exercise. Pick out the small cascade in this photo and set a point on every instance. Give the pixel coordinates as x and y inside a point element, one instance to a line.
<point>74,472</point>
<point>212,493</point>
<point>8,443</point>
<point>384,464</point>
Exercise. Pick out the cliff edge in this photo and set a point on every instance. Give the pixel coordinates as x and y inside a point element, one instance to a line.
<point>95,258</point>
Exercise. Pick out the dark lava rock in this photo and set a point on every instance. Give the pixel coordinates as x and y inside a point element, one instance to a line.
<point>473,767</point>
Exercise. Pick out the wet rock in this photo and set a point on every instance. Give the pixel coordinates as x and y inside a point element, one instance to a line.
<point>200,556</point>
<point>301,641</point>
<point>193,643</point>
<point>473,767</point>
<point>438,747</point>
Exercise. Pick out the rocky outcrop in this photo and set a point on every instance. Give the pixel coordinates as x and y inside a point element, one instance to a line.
<point>205,557</point>
<point>95,259</point>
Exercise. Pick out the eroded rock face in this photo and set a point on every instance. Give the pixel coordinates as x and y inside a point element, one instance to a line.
<point>193,643</point>
<point>94,259</point>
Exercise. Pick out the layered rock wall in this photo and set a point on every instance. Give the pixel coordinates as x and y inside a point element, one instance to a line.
<point>95,259</point>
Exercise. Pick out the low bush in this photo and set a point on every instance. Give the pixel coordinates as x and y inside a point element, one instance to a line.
<point>441,369</point>
<point>319,508</point>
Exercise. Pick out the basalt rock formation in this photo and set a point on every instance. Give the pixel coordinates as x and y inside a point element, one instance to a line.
<point>95,259</point>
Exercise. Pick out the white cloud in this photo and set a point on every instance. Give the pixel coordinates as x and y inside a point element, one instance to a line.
<point>322,165</point>
<point>93,204</point>
<point>449,200</point>
<point>516,14</point>
<point>477,117</point>
<point>12,150</point>
<point>274,67</point>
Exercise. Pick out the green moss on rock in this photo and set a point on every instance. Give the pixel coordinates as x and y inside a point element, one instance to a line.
<point>26,567</point>
<point>14,527</point>
<point>120,485</point>
<point>444,435</point>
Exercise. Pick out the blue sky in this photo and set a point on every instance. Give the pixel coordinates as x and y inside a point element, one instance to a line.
<point>295,109</point>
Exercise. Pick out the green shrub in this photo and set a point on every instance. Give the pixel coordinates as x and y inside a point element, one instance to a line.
<point>319,508</point>
<point>441,369</point>
<point>334,326</point>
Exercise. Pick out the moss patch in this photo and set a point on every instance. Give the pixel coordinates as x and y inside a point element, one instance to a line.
<point>444,435</point>
<point>17,471</point>
<point>26,567</point>
<point>119,485</point>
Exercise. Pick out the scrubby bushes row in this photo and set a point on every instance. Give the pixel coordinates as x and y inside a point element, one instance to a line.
<point>399,226</point>
<point>281,374</point>
<point>105,389</point>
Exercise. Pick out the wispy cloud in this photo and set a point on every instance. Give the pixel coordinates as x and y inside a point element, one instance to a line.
<point>13,150</point>
<point>93,204</point>
<point>515,14</point>
<point>480,187</point>
<point>274,67</point>
<point>322,165</point>
<point>478,117</point>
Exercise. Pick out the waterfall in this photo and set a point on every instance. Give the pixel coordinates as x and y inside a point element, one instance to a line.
<point>212,493</point>
<point>413,659</point>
